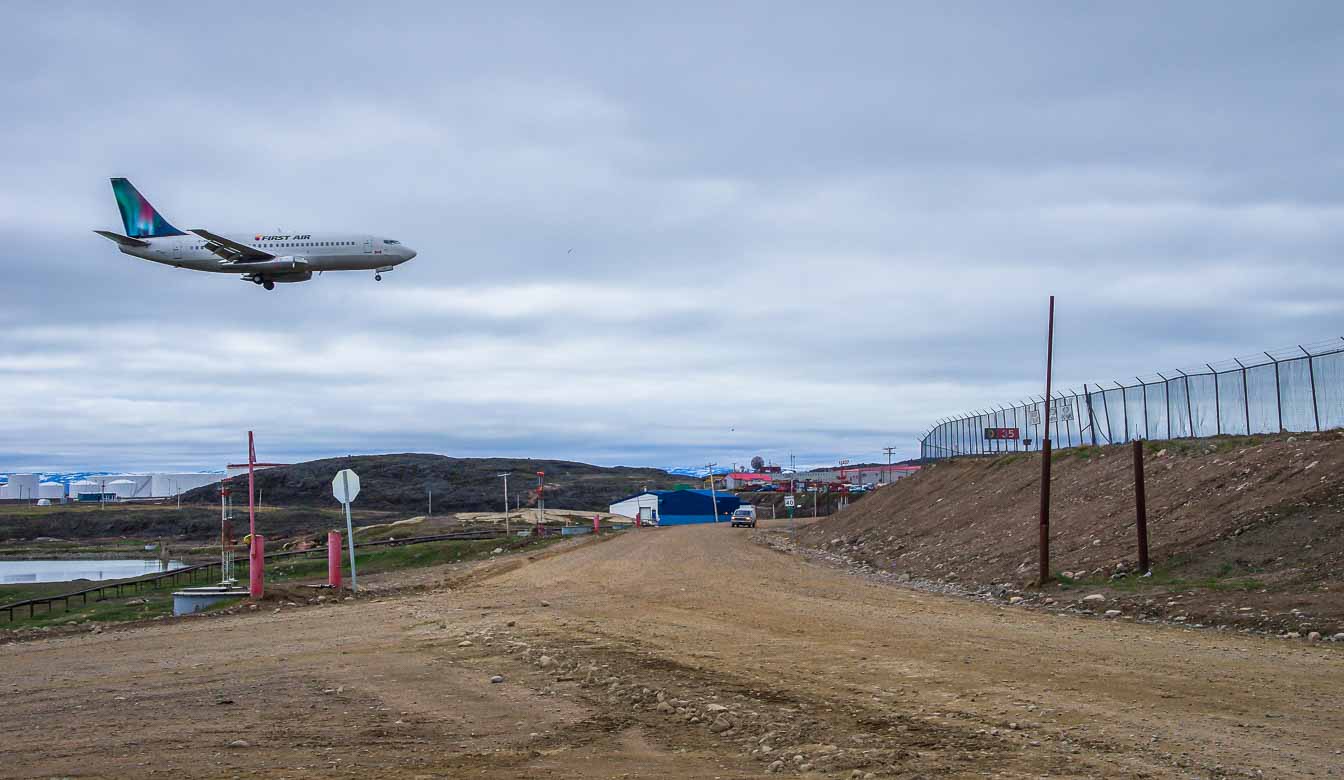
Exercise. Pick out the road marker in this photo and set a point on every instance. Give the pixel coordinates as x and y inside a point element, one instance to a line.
<point>345,487</point>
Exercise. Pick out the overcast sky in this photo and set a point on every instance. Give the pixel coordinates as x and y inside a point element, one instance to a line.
<point>809,229</point>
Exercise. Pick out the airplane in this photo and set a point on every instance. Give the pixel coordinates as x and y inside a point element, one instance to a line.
<point>263,258</point>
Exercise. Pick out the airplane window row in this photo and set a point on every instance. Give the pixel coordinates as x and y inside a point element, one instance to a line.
<point>309,243</point>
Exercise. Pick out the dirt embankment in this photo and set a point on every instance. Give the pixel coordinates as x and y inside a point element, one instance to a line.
<point>1244,532</point>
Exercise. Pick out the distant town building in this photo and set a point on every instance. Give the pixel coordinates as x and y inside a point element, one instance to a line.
<point>676,507</point>
<point>742,479</point>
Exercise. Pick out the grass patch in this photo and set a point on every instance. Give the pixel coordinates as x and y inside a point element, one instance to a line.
<point>152,603</point>
<point>378,560</point>
<point>1165,578</point>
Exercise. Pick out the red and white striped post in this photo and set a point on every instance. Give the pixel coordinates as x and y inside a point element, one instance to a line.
<point>334,559</point>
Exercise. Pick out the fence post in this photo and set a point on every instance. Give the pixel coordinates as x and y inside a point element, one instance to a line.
<point>1245,395</point>
<point>1311,366</point>
<point>1124,403</point>
<point>1189,408</point>
<point>1106,407</point>
<point>1166,391</point>
<point>1091,418</point>
<point>1078,422</point>
<point>1144,385</point>
<point>1217,405</point>
<point>1278,391</point>
<point>1141,506</point>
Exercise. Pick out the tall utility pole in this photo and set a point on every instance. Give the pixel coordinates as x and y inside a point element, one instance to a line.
<point>251,485</point>
<point>1044,574</point>
<point>506,502</point>
<point>430,490</point>
<point>713,495</point>
<point>889,451</point>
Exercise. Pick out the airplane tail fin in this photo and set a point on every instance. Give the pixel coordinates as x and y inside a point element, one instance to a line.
<point>140,218</point>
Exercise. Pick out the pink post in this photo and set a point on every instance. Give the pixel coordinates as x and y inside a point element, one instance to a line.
<point>255,564</point>
<point>597,528</point>
<point>334,559</point>
<point>256,558</point>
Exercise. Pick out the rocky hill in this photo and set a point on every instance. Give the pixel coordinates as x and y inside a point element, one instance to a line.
<point>404,482</point>
<point>1244,531</point>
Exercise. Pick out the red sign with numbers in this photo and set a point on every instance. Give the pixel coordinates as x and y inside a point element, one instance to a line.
<point>1001,433</point>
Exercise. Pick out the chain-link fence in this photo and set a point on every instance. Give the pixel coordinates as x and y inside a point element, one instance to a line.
<point>1295,389</point>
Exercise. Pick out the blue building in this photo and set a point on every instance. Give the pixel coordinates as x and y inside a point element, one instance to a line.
<point>677,507</point>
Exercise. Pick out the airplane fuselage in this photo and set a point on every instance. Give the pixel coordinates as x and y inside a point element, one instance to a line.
<point>298,253</point>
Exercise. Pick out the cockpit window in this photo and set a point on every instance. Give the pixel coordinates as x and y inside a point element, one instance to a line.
<point>390,241</point>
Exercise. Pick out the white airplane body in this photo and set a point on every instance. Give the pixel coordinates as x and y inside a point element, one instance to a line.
<point>264,258</point>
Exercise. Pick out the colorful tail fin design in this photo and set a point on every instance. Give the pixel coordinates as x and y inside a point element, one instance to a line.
<point>139,217</point>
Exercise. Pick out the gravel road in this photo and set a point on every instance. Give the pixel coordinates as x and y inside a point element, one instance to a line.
<point>684,652</point>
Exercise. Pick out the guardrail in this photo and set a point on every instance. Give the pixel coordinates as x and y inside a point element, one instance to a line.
<point>192,572</point>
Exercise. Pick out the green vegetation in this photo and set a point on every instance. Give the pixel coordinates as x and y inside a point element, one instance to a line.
<point>396,557</point>
<point>1202,446</point>
<point>153,603</point>
<point>1166,578</point>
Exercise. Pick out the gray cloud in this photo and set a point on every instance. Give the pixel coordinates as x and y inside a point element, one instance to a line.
<point>793,228</point>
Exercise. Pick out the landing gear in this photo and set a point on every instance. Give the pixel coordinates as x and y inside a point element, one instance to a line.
<point>268,284</point>
<point>377,277</point>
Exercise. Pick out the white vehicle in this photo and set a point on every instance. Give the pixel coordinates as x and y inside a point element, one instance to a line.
<point>744,516</point>
<point>260,257</point>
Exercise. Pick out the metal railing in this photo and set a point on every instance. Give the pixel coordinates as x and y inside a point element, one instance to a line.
<point>1297,389</point>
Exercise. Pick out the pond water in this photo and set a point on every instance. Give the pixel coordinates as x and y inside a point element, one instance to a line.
<point>24,572</point>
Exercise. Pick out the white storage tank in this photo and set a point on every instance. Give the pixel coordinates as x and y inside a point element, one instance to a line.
<point>51,490</point>
<point>169,485</point>
<point>142,484</point>
<point>22,486</point>
<point>83,487</point>
<point>122,488</point>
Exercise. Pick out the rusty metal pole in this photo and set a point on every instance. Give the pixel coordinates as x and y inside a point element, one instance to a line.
<point>1278,390</point>
<point>1044,576</point>
<point>1141,507</point>
<point>1311,366</point>
<point>1217,403</point>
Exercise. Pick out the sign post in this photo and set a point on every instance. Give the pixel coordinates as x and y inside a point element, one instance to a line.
<point>345,487</point>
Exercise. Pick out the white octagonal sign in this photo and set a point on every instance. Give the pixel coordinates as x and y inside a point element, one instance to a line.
<point>345,486</point>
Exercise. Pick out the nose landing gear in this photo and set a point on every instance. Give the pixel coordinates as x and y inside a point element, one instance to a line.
<point>378,272</point>
<point>377,277</point>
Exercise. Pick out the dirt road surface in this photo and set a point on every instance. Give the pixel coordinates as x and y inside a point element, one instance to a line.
<point>685,652</point>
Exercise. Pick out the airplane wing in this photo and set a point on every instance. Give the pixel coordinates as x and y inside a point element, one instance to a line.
<point>232,251</point>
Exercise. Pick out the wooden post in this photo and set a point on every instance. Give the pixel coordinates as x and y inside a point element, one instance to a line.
<point>1044,575</point>
<point>1141,507</point>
